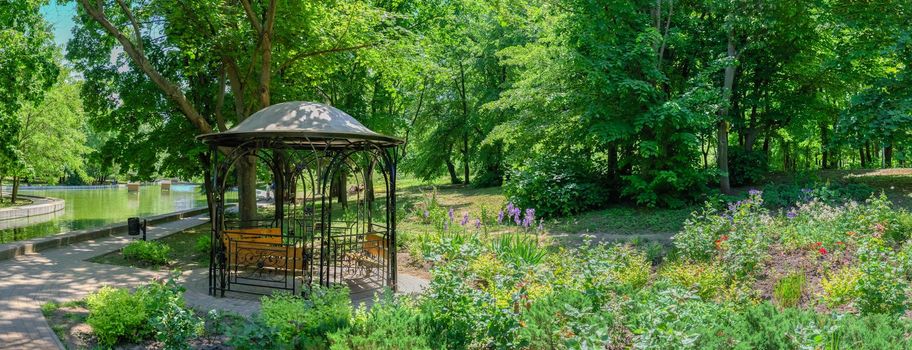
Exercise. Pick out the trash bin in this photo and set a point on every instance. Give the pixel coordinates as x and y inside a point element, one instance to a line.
<point>135,226</point>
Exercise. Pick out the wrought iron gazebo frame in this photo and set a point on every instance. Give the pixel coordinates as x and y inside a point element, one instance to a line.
<point>304,242</point>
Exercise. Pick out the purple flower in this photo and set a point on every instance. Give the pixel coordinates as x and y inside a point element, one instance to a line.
<point>529,219</point>
<point>806,190</point>
<point>792,214</point>
<point>477,224</point>
<point>500,217</point>
<point>509,207</point>
<point>426,214</point>
<point>446,225</point>
<point>754,192</point>
<point>516,218</point>
<point>451,214</point>
<point>465,218</point>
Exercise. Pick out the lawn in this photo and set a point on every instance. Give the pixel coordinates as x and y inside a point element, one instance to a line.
<point>184,253</point>
<point>6,202</point>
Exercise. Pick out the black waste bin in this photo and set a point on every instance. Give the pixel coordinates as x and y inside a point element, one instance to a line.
<point>135,226</point>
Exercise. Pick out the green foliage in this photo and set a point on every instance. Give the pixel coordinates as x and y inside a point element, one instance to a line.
<point>147,252</point>
<point>788,290</point>
<point>154,309</point>
<point>518,249</point>
<point>566,319</point>
<point>882,287</point>
<point>294,322</point>
<point>840,287</point>
<point>554,187</point>
<point>390,323</point>
<point>203,244</point>
<point>704,279</point>
<point>116,315</point>
<point>782,195</point>
<point>746,167</point>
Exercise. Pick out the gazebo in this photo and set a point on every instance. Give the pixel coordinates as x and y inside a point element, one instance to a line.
<point>335,197</point>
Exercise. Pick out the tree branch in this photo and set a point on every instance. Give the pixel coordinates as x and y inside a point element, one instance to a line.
<point>254,21</point>
<point>170,89</point>
<point>321,52</point>
<point>136,32</point>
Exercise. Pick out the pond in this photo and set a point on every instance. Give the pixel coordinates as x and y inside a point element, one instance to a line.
<point>95,207</point>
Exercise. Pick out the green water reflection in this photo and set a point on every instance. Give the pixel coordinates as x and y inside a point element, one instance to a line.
<point>88,208</point>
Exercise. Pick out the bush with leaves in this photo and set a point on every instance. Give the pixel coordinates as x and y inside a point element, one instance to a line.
<point>703,278</point>
<point>147,252</point>
<point>116,315</point>
<point>554,186</point>
<point>390,323</point>
<point>746,167</point>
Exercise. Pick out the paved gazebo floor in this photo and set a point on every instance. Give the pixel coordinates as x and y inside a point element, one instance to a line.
<point>62,274</point>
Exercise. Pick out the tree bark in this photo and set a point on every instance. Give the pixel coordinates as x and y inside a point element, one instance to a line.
<point>465,155</point>
<point>824,163</point>
<point>246,178</point>
<point>861,157</point>
<point>722,128</point>
<point>888,156</point>
<point>451,168</point>
<point>14,195</point>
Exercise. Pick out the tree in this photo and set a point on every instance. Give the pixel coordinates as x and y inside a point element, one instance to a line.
<point>51,136</point>
<point>27,70</point>
<point>210,62</point>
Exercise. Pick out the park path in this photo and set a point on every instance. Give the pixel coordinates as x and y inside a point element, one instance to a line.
<point>62,274</point>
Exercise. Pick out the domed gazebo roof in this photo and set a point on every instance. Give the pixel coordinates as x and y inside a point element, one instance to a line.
<point>301,124</point>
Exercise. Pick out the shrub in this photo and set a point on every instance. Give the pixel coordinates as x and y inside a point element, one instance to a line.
<point>605,267</point>
<point>882,286</point>
<point>566,319</point>
<point>299,322</point>
<point>787,291</point>
<point>147,252</point>
<point>554,186</point>
<point>840,287</point>
<point>173,322</point>
<point>746,167</point>
<point>390,323</point>
<point>204,244</point>
<point>706,279</point>
<point>116,315</point>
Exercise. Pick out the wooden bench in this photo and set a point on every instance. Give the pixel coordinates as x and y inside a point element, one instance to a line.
<point>262,248</point>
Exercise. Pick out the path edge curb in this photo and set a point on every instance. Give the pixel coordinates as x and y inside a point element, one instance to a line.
<point>14,249</point>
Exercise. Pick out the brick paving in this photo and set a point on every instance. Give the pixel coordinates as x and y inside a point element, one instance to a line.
<point>62,274</point>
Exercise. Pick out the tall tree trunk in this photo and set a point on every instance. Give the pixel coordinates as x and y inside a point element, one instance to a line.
<point>14,195</point>
<point>824,163</point>
<point>451,168</point>
<point>888,156</point>
<point>246,178</point>
<point>870,159</point>
<point>722,129</point>
<point>343,188</point>
<point>861,157</point>
<point>465,153</point>
<point>785,155</point>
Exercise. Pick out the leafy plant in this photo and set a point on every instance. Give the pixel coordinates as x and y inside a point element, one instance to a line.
<point>116,315</point>
<point>294,321</point>
<point>705,279</point>
<point>788,290</point>
<point>390,323</point>
<point>554,186</point>
<point>203,244</point>
<point>147,252</point>
<point>840,287</point>
<point>518,249</point>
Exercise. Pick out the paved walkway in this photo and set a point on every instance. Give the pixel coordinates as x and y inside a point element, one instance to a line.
<point>62,274</point>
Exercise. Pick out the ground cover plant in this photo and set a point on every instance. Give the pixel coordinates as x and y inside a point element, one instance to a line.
<point>813,275</point>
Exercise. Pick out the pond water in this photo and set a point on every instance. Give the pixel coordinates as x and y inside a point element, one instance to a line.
<point>88,208</point>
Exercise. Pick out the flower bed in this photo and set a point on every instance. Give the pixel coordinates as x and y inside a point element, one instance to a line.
<point>813,276</point>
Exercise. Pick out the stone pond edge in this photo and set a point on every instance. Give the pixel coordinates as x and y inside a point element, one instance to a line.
<point>39,206</point>
<point>14,249</point>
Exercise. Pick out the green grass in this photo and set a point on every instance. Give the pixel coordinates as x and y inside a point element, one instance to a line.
<point>6,202</point>
<point>624,220</point>
<point>787,291</point>
<point>184,255</point>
